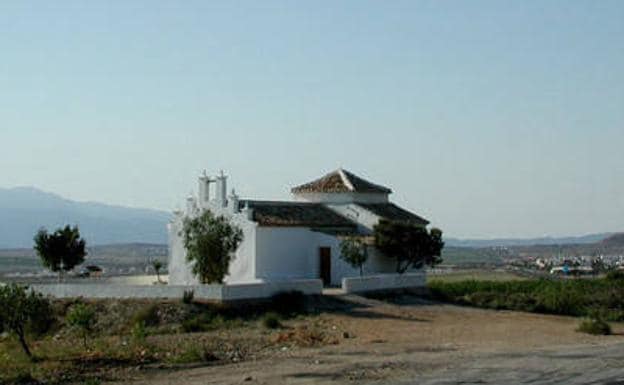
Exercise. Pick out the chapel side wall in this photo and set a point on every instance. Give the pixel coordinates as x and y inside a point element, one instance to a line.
<point>284,253</point>
<point>243,267</point>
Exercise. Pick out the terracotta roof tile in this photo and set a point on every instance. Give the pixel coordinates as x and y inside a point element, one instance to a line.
<point>340,181</point>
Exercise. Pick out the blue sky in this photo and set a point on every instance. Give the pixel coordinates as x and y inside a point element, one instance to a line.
<point>491,118</point>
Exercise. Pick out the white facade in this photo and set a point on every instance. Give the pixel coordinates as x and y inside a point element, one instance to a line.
<point>283,251</point>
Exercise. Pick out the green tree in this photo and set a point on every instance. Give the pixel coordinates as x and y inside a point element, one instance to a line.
<point>412,246</point>
<point>82,317</point>
<point>210,243</point>
<point>61,250</point>
<point>22,310</point>
<point>354,251</point>
<point>157,265</point>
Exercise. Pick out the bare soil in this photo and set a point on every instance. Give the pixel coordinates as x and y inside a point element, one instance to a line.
<point>411,341</point>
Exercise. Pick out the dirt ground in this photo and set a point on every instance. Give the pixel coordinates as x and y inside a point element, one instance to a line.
<point>415,342</point>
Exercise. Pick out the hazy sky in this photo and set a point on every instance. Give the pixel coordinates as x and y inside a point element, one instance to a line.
<point>491,118</point>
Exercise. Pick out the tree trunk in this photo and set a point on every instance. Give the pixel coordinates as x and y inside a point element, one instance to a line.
<point>22,340</point>
<point>361,273</point>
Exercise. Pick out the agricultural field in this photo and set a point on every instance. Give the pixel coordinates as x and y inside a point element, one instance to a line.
<point>457,275</point>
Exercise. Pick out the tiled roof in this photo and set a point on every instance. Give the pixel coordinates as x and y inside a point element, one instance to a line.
<point>392,212</point>
<point>296,214</point>
<point>340,181</point>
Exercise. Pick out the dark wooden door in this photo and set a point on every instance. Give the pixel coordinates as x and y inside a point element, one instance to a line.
<point>325,268</point>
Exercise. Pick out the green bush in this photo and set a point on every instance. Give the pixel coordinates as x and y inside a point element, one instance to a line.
<point>615,275</point>
<point>82,317</point>
<point>148,315</point>
<point>594,326</point>
<point>139,332</point>
<point>203,322</point>
<point>271,321</point>
<point>578,297</point>
<point>22,310</point>
<point>194,353</point>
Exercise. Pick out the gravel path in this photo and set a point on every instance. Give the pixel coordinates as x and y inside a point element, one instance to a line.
<point>416,342</point>
<point>570,365</point>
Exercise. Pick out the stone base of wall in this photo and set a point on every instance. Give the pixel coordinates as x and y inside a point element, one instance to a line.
<point>219,293</point>
<point>384,282</point>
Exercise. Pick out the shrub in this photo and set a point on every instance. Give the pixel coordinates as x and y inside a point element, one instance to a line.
<point>148,315</point>
<point>203,322</point>
<point>194,354</point>
<point>271,321</point>
<point>594,326</point>
<point>288,302</point>
<point>615,275</point>
<point>82,317</point>
<point>188,296</point>
<point>21,310</point>
<point>568,297</point>
<point>139,332</point>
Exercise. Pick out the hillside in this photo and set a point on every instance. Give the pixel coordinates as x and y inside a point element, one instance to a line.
<point>24,210</point>
<point>545,241</point>
<point>615,240</point>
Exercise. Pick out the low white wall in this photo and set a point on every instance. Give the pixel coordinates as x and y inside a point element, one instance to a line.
<point>383,282</point>
<point>137,279</point>
<point>210,292</point>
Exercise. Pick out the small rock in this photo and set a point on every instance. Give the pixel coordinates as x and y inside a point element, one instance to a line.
<point>284,348</point>
<point>317,362</point>
<point>248,378</point>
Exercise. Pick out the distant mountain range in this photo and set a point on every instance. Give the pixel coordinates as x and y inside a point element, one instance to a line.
<point>24,210</point>
<point>500,242</point>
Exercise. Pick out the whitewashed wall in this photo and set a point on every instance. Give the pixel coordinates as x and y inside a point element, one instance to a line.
<point>208,292</point>
<point>288,253</point>
<point>384,282</point>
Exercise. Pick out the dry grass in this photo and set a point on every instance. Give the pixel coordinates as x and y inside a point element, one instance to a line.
<point>222,334</point>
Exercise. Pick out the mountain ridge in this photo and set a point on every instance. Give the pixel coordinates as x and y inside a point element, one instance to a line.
<point>25,209</point>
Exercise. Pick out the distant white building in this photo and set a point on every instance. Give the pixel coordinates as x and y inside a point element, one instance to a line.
<point>293,239</point>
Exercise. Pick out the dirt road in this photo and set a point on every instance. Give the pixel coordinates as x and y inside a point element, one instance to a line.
<point>411,342</point>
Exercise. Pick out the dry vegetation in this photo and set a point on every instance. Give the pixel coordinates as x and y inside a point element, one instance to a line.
<point>130,336</point>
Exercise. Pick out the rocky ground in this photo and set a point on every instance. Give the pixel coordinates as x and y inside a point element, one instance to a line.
<point>411,341</point>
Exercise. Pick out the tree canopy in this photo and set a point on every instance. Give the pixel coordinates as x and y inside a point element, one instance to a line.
<point>210,243</point>
<point>354,251</point>
<point>412,246</point>
<point>61,250</point>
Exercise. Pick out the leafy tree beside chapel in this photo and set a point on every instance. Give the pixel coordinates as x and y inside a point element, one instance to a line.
<point>410,245</point>
<point>210,243</point>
